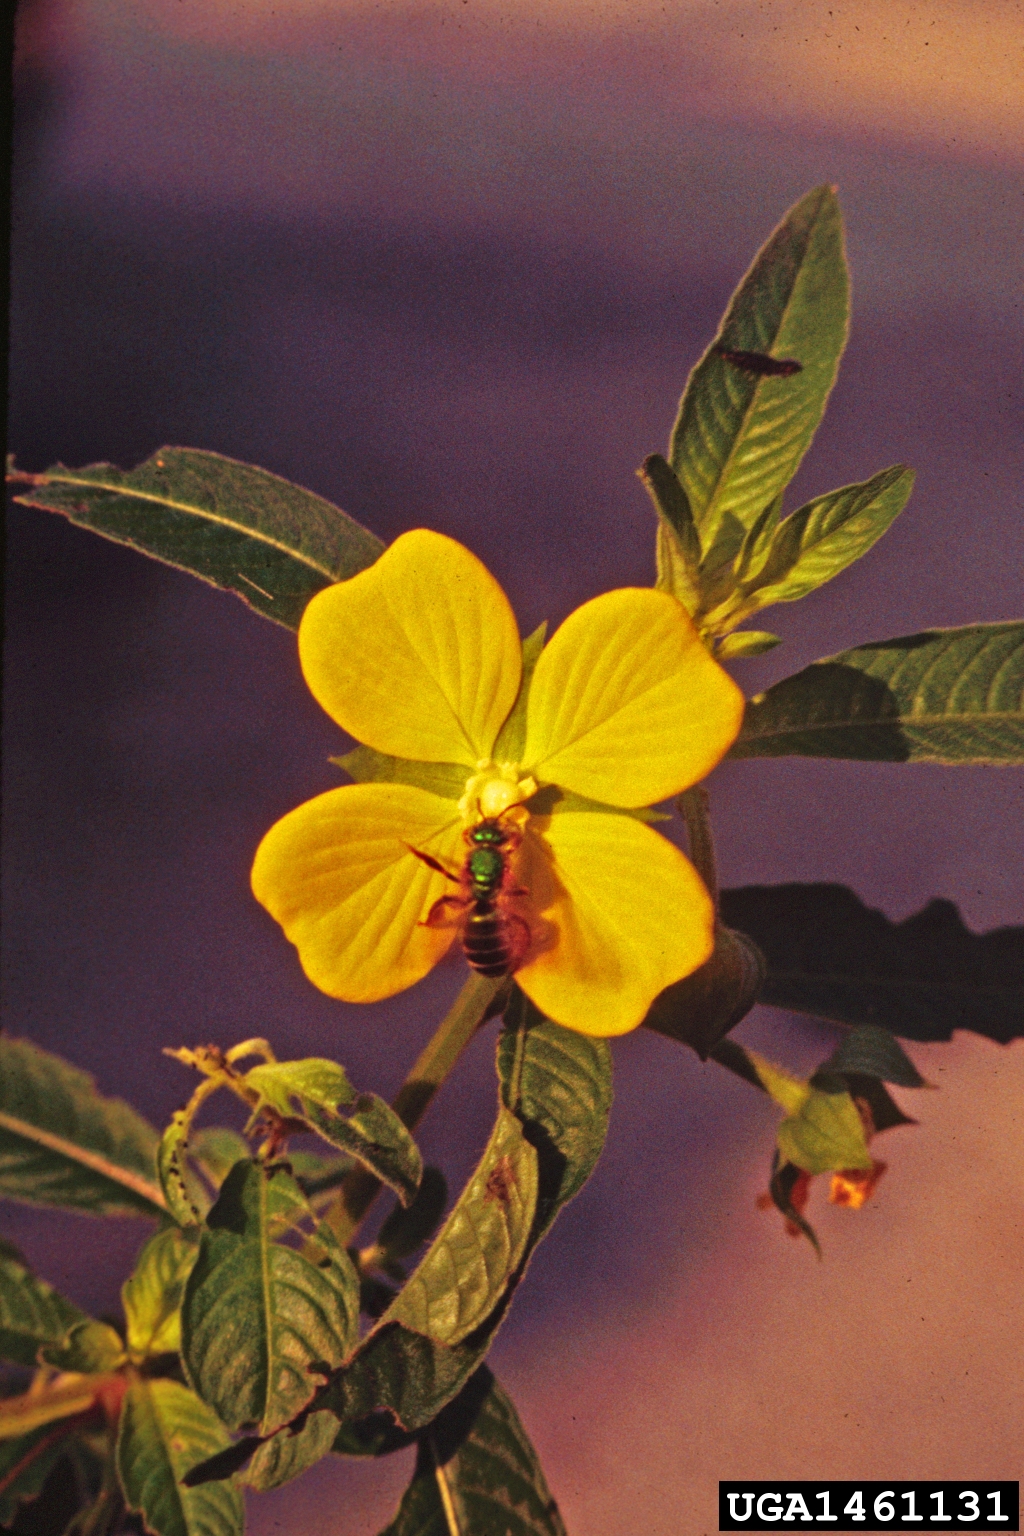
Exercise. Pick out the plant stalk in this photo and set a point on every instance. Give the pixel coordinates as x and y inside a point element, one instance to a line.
<point>360,1187</point>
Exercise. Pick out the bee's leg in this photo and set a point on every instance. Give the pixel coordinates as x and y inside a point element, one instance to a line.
<point>431,863</point>
<point>440,914</point>
<point>520,937</point>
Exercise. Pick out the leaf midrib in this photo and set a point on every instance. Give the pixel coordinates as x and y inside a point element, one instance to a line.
<point>190,511</point>
<point>81,1155</point>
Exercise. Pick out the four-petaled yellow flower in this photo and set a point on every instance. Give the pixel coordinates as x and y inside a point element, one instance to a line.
<point>419,657</point>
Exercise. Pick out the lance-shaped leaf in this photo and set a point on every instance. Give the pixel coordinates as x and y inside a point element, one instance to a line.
<point>64,1144</point>
<point>152,1294</point>
<point>286,1455</point>
<point>234,525</point>
<point>943,696</point>
<point>873,1052</point>
<point>318,1091</point>
<point>164,1429</point>
<point>741,433</point>
<point>829,954</point>
<point>477,1471</point>
<point>32,1314</point>
<point>466,1269</point>
<point>65,1397</point>
<point>817,542</point>
<point>259,1318</point>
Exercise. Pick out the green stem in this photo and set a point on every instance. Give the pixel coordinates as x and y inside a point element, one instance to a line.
<point>694,805</point>
<point>473,1005</point>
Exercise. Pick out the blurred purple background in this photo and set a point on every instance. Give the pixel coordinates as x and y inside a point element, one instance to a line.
<point>449,266</point>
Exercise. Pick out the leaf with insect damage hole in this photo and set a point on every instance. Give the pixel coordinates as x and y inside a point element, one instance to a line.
<point>317,1091</point>
<point>943,696</point>
<point>829,954</point>
<point>32,1314</point>
<point>62,1143</point>
<point>740,435</point>
<point>470,1262</point>
<point>233,525</point>
<point>477,1471</point>
<point>164,1429</point>
<point>259,1318</point>
<point>152,1294</point>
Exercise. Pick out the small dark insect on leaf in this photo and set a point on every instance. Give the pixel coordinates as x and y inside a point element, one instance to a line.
<point>760,363</point>
<point>501,1182</point>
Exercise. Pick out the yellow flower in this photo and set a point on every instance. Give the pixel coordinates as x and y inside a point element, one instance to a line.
<point>419,657</point>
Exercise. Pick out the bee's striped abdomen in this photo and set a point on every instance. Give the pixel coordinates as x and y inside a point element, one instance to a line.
<point>486,940</point>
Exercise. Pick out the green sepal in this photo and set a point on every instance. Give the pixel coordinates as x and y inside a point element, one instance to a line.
<point>64,1144</point>
<point>942,696</point>
<point>365,766</point>
<point>233,525</point>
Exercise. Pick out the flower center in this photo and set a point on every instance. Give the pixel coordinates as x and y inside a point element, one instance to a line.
<point>492,790</point>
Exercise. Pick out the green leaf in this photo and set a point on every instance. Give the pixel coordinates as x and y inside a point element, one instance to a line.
<point>65,1397</point>
<point>874,1052</point>
<point>511,739</point>
<point>823,538</point>
<point>258,1315</point>
<point>477,1471</point>
<point>152,1294</point>
<point>789,1091</point>
<point>366,766</point>
<point>187,1200</point>
<point>64,1144</point>
<point>746,642</point>
<point>739,437</point>
<point>705,1006</point>
<point>828,954</point>
<point>90,1348</point>
<point>286,1455</point>
<point>559,1083</point>
<point>32,1313</point>
<point>233,525</point>
<point>943,696</point>
<point>164,1430</point>
<point>465,1271</point>
<point>316,1091</point>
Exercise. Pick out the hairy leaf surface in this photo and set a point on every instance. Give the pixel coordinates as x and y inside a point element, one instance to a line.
<point>257,1316</point>
<point>32,1313</point>
<point>63,1143</point>
<point>943,696</point>
<point>164,1430</point>
<point>233,525</point>
<point>740,436</point>
<point>152,1294</point>
<point>476,1470</point>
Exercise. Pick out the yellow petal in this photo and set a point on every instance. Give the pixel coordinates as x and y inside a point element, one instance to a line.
<point>418,656</point>
<point>627,914</point>
<point>626,704</point>
<point>338,876</point>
